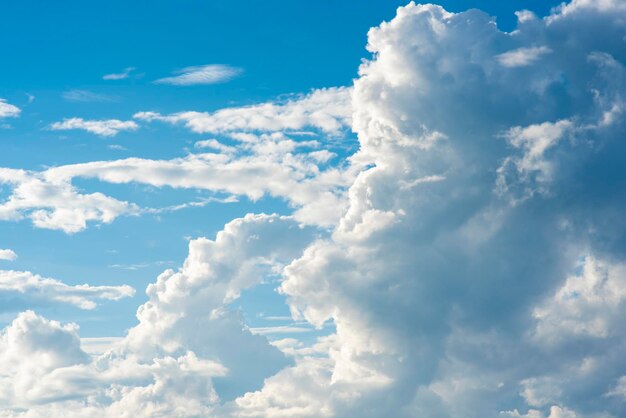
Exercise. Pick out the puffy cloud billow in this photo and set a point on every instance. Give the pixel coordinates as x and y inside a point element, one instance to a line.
<point>477,271</point>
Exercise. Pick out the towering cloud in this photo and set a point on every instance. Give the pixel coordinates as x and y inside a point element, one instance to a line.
<point>455,277</point>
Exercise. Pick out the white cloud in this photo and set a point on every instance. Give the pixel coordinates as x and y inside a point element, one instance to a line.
<point>107,128</point>
<point>7,255</point>
<point>522,57</point>
<point>214,144</point>
<point>432,287</point>
<point>258,164</point>
<point>119,76</point>
<point>57,205</point>
<point>587,304</point>
<point>268,164</point>
<point>532,172</point>
<point>86,96</point>
<point>45,290</point>
<point>440,290</point>
<point>328,110</point>
<point>8,110</point>
<point>554,412</point>
<point>164,366</point>
<point>202,74</point>
<point>285,329</point>
<point>97,346</point>
<point>30,348</point>
<point>567,9</point>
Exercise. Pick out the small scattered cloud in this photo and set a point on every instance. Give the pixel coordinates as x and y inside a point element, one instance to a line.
<point>7,255</point>
<point>202,74</point>
<point>109,127</point>
<point>119,76</point>
<point>86,96</point>
<point>8,110</point>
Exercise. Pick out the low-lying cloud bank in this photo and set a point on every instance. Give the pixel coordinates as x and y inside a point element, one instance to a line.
<point>477,270</point>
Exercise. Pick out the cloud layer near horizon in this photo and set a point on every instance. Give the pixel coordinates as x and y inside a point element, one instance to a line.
<point>476,269</point>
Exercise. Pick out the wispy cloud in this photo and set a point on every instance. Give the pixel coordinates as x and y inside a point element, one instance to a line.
<point>87,96</point>
<point>279,330</point>
<point>328,110</point>
<point>202,74</point>
<point>8,110</point>
<point>35,287</point>
<point>138,266</point>
<point>110,127</point>
<point>119,76</point>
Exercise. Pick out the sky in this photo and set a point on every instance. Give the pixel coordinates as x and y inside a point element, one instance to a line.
<point>313,209</point>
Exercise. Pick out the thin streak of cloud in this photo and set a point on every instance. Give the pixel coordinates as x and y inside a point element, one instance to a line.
<point>202,74</point>
<point>86,96</point>
<point>119,76</point>
<point>279,330</point>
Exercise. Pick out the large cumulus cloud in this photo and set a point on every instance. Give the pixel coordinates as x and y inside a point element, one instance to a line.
<point>478,267</point>
<point>188,351</point>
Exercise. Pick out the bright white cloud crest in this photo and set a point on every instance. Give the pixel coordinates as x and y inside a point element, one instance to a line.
<point>475,269</point>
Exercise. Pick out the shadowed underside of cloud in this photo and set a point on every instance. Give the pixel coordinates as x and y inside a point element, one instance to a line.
<point>477,269</point>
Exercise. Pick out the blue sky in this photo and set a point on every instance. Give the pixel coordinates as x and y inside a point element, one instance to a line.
<point>448,232</point>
